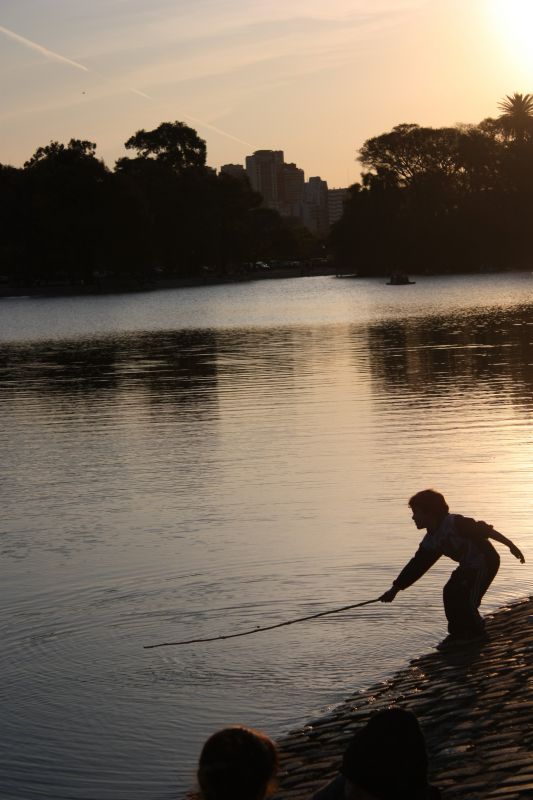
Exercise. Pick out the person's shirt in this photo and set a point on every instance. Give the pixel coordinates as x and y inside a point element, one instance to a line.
<point>462,539</point>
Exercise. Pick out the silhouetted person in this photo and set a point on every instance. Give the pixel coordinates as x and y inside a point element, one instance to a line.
<point>385,760</point>
<point>464,540</point>
<point>237,763</point>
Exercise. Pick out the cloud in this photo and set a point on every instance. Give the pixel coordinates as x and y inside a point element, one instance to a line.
<point>261,52</point>
<point>148,31</point>
<point>43,50</point>
<point>50,54</point>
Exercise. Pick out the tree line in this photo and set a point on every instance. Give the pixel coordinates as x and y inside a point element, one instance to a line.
<point>430,199</point>
<point>443,199</point>
<point>161,213</point>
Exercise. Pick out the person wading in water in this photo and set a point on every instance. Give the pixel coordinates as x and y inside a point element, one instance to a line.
<point>466,541</point>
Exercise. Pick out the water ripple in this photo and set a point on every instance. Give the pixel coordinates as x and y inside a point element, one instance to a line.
<point>173,482</point>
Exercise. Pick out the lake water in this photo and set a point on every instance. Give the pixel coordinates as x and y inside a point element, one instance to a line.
<point>202,461</point>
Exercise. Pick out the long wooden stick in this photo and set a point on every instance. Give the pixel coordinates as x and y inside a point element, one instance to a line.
<point>260,630</point>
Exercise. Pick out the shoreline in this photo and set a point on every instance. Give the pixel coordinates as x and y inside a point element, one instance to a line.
<point>473,707</point>
<point>110,288</point>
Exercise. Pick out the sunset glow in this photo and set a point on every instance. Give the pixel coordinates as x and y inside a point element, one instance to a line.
<point>513,20</point>
<point>312,80</point>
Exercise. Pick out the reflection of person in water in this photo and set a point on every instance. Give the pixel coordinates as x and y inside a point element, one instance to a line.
<point>385,760</point>
<point>464,540</point>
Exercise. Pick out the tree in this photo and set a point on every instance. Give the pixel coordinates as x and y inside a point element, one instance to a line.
<point>169,175</point>
<point>220,220</point>
<point>434,198</point>
<point>65,188</point>
<point>78,151</point>
<point>14,229</point>
<point>481,153</point>
<point>173,143</point>
<point>517,117</point>
<point>409,151</point>
<point>266,235</point>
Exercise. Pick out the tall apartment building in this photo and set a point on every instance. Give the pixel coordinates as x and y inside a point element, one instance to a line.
<point>265,172</point>
<point>284,189</point>
<point>315,210</point>
<point>293,190</point>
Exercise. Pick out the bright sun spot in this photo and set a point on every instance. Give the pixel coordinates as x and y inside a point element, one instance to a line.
<point>513,20</point>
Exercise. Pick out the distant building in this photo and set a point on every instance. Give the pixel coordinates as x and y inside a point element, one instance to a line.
<point>336,201</point>
<point>292,190</point>
<point>234,170</point>
<point>284,189</point>
<point>265,172</point>
<point>315,207</point>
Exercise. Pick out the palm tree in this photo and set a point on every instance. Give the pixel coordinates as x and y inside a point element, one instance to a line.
<point>517,117</point>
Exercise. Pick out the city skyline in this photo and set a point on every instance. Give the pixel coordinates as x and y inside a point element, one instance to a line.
<point>294,76</point>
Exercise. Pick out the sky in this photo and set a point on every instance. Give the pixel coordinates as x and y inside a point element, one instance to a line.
<point>314,78</point>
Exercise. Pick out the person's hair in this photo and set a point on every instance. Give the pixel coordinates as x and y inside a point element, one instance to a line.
<point>430,501</point>
<point>388,758</point>
<point>237,763</point>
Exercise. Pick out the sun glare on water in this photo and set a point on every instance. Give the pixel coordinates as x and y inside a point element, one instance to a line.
<point>513,21</point>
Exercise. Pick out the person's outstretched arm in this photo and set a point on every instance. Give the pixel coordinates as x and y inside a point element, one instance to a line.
<point>422,560</point>
<point>515,551</point>
<point>389,595</point>
<point>482,530</point>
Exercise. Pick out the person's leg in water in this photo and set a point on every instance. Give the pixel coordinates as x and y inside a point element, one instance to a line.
<point>462,597</point>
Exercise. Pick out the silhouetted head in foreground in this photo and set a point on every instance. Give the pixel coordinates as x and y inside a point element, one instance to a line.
<point>237,763</point>
<point>428,507</point>
<point>387,759</point>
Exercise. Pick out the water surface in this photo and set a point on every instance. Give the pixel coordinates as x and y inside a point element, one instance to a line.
<point>201,461</point>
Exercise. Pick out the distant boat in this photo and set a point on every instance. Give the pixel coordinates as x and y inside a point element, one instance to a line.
<point>399,279</point>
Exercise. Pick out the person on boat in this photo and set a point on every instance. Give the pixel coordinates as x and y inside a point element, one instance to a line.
<point>385,760</point>
<point>237,763</point>
<point>464,540</point>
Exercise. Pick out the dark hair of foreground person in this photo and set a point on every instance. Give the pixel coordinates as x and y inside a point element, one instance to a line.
<point>385,760</point>
<point>237,763</point>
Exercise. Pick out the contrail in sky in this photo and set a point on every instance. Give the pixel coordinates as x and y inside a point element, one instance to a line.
<point>58,57</point>
<point>219,130</point>
<point>141,94</point>
<point>41,49</point>
<point>194,119</point>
